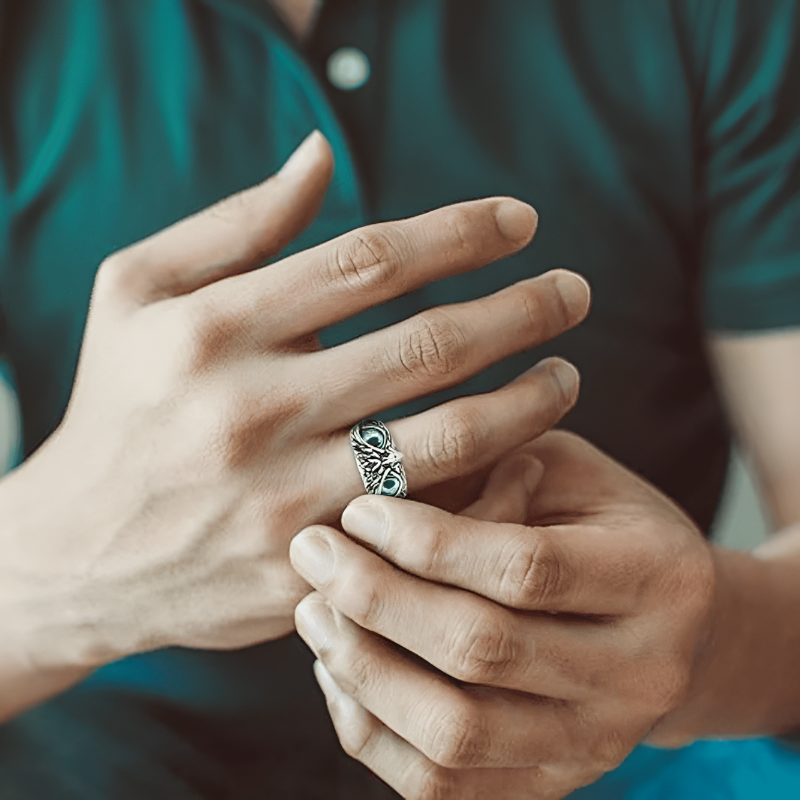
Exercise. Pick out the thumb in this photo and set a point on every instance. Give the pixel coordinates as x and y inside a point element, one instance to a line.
<point>229,238</point>
<point>508,491</point>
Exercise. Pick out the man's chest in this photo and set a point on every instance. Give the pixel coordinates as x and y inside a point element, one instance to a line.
<point>458,105</point>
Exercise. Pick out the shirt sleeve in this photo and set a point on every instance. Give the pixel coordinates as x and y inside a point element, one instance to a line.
<point>749,163</point>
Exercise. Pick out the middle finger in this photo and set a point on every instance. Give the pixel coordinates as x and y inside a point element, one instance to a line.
<point>442,347</point>
<point>316,288</point>
<point>456,727</point>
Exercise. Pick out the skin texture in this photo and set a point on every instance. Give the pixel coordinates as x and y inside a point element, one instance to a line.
<point>534,656</point>
<point>210,427</point>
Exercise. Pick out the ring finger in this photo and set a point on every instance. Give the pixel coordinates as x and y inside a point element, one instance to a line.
<point>463,435</point>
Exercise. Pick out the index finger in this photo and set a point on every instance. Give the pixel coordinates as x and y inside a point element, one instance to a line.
<point>576,569</point>
<point>316,288</point>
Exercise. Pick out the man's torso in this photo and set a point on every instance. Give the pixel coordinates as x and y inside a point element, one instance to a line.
<point>120,117</point>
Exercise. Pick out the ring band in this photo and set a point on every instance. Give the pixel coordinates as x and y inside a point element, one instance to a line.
<point>379,462</point>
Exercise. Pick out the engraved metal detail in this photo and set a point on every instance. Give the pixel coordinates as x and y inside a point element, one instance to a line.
<point>379,461</point>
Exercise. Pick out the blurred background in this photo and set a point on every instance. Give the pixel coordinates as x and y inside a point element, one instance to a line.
<point>741,522</point>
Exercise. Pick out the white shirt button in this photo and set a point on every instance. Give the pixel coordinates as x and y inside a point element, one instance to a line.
<point>348,68</point>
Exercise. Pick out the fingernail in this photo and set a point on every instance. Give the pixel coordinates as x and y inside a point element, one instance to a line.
<point>516,220</point>
<point>575,292</point>
<point>567,377</point>
<point>315,624</point>
<point>326,682</point>
<point>312,557</point>
<point>365,519</point>
<point>303,157</point>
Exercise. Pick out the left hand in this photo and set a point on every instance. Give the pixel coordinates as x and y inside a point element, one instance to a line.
<point>532,657</point>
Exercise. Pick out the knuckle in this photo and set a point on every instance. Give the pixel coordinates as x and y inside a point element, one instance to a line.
<point>113,265</point>
<point>607,752</point>
<point>246,425</point>
<point>367,259</point>
<point>210,330</point>
<point>453,446</point>
<point>534,574</point>
<point>461,222</point>
<point>435,783</point>
<point>459,738</point>
<point>534,309</point>
<point>116,273</point>
<point>484,651</point>
<point>431,346</point>
<point>368,604</point>
<point>353,669</point>
<point>543,308</point>
<point>430,551</point>
<point>600,743</point>
<point>358,740</point>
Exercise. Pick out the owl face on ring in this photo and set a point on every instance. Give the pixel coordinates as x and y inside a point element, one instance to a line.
<point>378,460</point>
<point>374,437</point>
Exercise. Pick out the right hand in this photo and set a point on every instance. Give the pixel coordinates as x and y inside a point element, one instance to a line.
<point>207,426</point>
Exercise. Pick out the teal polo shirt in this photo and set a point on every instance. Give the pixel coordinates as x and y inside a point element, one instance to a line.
<point>658,140</point>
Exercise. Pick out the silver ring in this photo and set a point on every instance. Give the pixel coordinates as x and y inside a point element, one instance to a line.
<point>379,462</point>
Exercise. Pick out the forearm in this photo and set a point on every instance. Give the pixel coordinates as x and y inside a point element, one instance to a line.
<point>747,676</point>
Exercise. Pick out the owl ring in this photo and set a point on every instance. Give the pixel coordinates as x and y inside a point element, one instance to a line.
<point>379,462</point>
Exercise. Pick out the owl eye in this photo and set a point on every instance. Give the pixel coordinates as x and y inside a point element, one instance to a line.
<point>374,437</point>
<point>391,485</point>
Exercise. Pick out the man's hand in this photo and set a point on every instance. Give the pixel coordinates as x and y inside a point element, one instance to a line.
<point>207,426</point>
<point>534,657</point>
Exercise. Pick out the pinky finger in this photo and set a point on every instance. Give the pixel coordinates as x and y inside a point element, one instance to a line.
<point>410,773</point>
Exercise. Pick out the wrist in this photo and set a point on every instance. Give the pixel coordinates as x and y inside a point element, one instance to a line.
<point>744,680</point>
<point>45,646</point>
